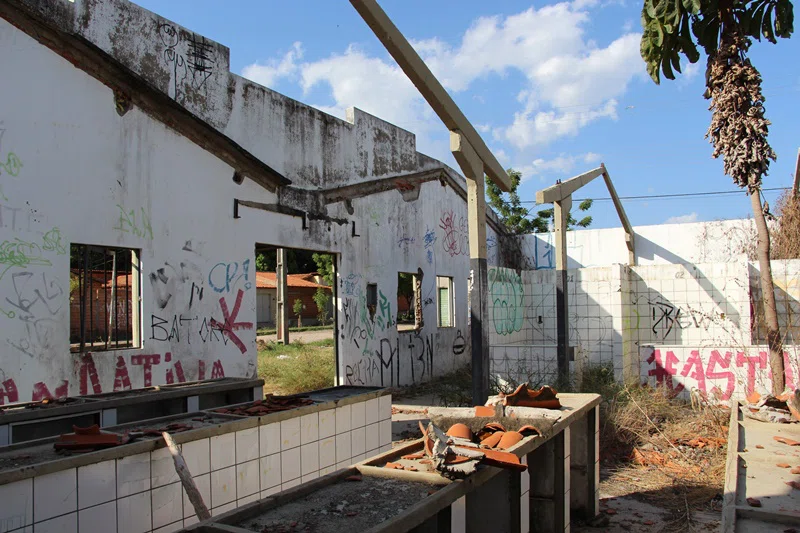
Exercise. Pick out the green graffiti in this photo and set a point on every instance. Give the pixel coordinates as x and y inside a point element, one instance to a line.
<point>12,165</point>
<point>128,224</point>
<point>51,242</point>
<point>505,287</point>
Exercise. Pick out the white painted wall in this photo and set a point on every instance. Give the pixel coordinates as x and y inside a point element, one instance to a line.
<point>82,165</point>
<point>698,242</point>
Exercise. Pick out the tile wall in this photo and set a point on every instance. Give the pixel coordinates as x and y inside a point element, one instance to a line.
<point>142,493</point>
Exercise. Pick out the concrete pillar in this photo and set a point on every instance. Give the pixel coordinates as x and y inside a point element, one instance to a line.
<point>458,515</point>
<point>549,487</point>
<point>495,505</point>
<point>472,166</point>
<point>585,465</point>
<point>281,282</point>
<point>561,216</point>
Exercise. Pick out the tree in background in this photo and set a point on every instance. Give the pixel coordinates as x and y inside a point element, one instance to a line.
<point>325,267</point>
<point>738,131</point>
<point>786,235</point>
<point>321,298</point>
<point>508,207</point>
<point>298,310</point>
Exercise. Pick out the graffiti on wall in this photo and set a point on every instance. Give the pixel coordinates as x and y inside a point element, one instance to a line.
<point>429,240</point>
<point>191,58</point>
<point>116,375</point>
<point>718,373</point>
<point>506,294</point>
<point>135,222</point>
<point>455,240</point>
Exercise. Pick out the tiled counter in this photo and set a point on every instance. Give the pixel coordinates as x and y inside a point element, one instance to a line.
<point>134,488</point>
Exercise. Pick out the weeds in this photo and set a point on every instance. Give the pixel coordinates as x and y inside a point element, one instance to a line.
<point>296,367</point>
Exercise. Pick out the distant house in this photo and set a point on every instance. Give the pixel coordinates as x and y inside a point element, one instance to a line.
<point>302,286</point>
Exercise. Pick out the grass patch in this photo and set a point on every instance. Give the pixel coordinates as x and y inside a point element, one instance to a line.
<point>273,331</point>
<point>296,367</point>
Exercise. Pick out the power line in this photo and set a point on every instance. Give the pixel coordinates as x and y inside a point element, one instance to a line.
<point>660,196</point>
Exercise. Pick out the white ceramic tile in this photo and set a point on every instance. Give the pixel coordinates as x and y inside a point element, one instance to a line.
<point>358,458</point>
<point>223,486</point>
<point>386,448</point>
<point>133,474</point>
<point>458,515</point>
<point>162,468</point>
<point>524,477</point>
<point>270,467</point>
<point>524,513</point>
<point>327,452</point>
<point>358,415</point>
<point>309,477</point>
<point>97,483</point>
<point>309,458</point>
<point>358,442</point>
<point>247,480</point>
<point>97,518</point>
<point>190,521</point>
<point>134,514</point>
<point>223,509</point>
<point>342,419</point>
<point>327,423</point>
<point>203,484</point>
<point>167,504</point>
<point>290,465</point>
<point>270,491</point>
<point>16,510</point>
<point>371,411</point>
<point>55,494</point>
<point>289,484</point>
<point>290,433</point>
<point>309,428</point>
<point>385,407</point>
<point>373,453</point>
<point>269,438</point>
<point>223,451</point>
<point>342,464</point>
<point>372,436</point>
<point>247,445</point>
<point>171,528</point>
<point>385,432</point>
<point>67,523</point>
<point>343,447</point>
<point>327,470</point>
<point>250,499</point>
<point>197,454</point>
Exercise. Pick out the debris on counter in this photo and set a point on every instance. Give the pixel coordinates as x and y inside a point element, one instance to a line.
<point>87,439</point>
<point>270,404</point>
<point>544,398</point>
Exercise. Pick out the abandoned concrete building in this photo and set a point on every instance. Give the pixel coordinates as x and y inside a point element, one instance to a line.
<point>138,177</point>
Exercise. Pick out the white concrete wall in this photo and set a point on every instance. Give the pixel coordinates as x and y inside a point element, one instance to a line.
<point>698,242</point>
<point>615,310</point>
<point>82,167</point>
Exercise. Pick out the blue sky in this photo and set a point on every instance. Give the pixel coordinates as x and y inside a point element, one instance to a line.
<point>555,88</point>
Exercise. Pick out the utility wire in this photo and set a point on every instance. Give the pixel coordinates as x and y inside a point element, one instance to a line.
<point>660,196</point>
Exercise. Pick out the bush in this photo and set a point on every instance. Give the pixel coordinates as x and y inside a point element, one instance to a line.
<point>297,367</point>
<point>786,235</point>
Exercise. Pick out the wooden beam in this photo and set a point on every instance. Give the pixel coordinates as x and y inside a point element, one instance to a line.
<point>559,191</point>
<point>560,218</point>
<point>626,225</point>
<point>430,88</point>
<point>796,186</point>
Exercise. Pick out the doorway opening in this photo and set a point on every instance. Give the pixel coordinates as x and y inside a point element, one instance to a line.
<point>303,355</point>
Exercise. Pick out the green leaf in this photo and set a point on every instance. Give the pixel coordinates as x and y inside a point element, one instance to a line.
<point>676,60</point>
<point>667,68</point>
<point>650,9</point>
<point>766,25</point>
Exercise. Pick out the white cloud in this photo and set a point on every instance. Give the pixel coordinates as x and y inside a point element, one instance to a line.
<point>268,74</point>
<point>562,165</point>
<point>568,81</point>
<point>682,219</point>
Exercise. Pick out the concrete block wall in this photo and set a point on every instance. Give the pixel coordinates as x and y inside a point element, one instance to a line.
<point>615,310</point>
<point>142,493</point>
<point>786,277</point>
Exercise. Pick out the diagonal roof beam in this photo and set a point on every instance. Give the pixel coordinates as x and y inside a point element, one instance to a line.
<point>427,84</point>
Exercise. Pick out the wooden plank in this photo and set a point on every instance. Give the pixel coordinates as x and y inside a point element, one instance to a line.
<point>626,225</point>
<point>559,191</point>
<point>427,84</point>
<point>731,472</point>
<point>187,481</point>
